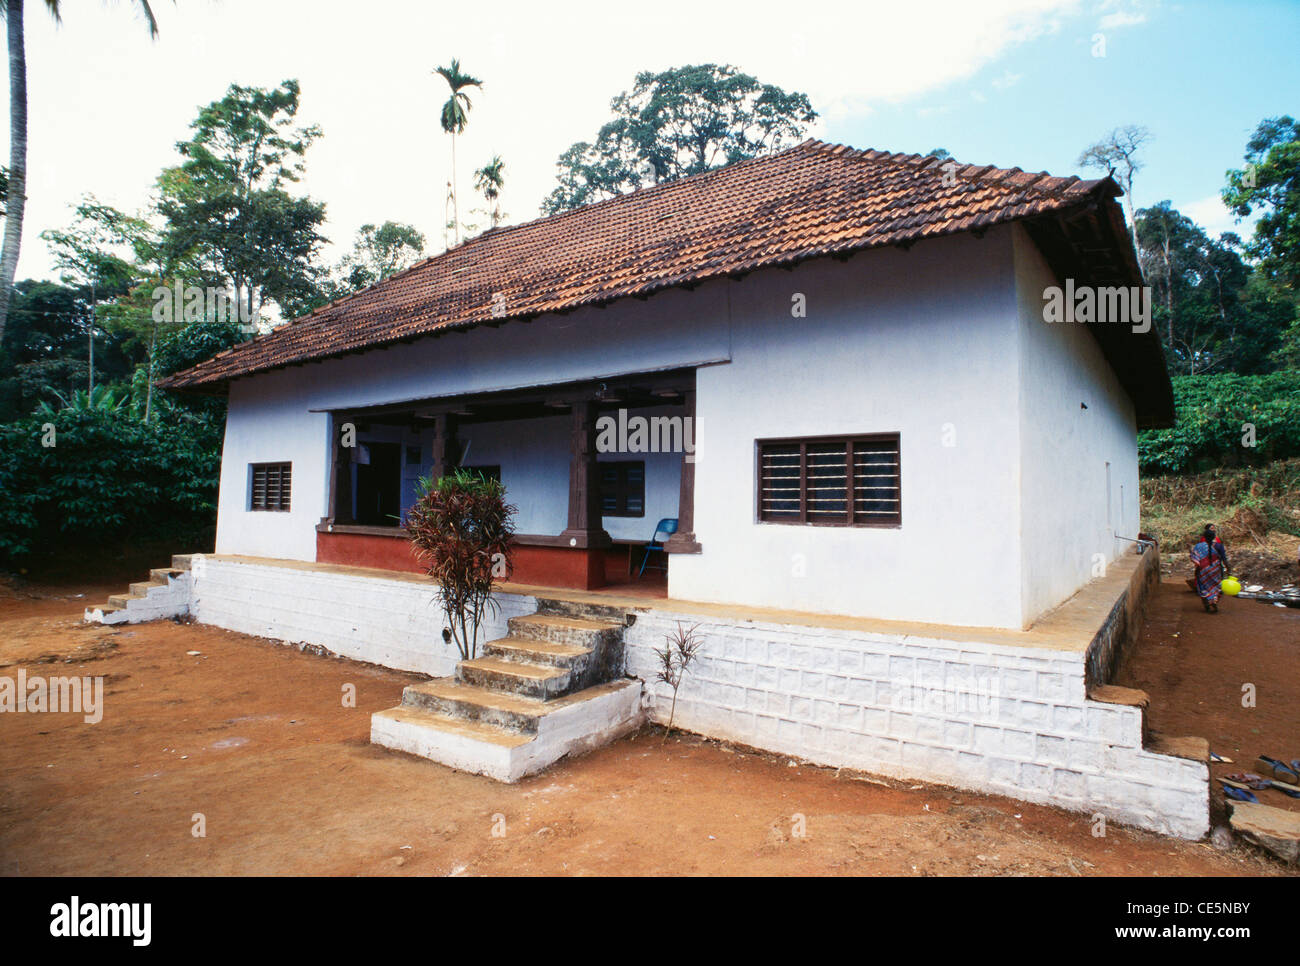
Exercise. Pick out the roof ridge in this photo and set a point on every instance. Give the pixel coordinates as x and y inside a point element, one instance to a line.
<point>988,173</point>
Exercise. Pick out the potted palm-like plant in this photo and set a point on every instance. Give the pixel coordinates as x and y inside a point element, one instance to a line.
<point>462,527</point>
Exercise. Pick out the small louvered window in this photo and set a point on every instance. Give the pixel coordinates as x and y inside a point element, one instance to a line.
<point>622,489</point>
<point>270,487</point>
<point>835,481</point>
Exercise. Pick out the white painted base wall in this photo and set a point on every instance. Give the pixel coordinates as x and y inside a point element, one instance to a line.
<point>994,718</point>
<point>1012,721</point>
<point>392,622</point>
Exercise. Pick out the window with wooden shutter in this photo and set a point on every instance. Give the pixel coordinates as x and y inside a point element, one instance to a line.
<point>271,483</point>
<point>842,481</point>
<point>622,489</point>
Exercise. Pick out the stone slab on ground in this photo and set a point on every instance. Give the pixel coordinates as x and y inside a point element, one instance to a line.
<point>1271,828</point>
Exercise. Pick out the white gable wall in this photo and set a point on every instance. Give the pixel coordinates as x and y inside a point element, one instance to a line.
<point>268,422</point>
<point>1072,512</point>
<point>919,342</point>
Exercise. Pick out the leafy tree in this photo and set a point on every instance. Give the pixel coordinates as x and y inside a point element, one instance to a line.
<point>126,253</point>
<point>676,123</point>
<point>227,205</point>
<point>15,188</point>
<point>194,342</point>
<point>378,252</point>
<point>453,118</point>
<point>95,252</point>
<point>489,180</point>
<point>1270,183</point>
<point>1213,312</point>
<point>1117,155</point>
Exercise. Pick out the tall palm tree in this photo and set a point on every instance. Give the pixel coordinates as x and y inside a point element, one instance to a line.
<point>16,196</point>
<point>490,179</point>
<point>455,115</point>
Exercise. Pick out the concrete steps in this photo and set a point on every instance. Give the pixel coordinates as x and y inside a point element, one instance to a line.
<point>515,677</point>
<point>550,689</point>
<point>166,594</point>
<point>536,652</point>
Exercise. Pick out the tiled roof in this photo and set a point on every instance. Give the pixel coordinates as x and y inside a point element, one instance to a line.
<point>814,199</point>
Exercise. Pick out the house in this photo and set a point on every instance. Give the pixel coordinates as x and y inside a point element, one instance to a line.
<point>844,374</point>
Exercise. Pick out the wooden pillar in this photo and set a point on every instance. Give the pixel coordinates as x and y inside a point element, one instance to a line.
<point>444,446</point>
<point>683,541</point>
<point>340,501</point>
<point>586,528</point>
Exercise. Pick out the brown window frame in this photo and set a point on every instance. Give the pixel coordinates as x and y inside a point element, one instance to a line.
<point>284,500</point>
<point>622,489</point>
<point>851,517</point>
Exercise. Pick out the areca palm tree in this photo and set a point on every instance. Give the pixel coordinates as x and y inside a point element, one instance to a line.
<point>15,196</point>
<point>455,115</point>
<point>490,179</point>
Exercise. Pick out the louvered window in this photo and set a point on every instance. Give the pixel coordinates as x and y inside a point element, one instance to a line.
<point>270,486</point>
<point>622,489</point>
<point>832,481</point>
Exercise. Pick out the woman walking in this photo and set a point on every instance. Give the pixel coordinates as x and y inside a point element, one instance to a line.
<point>1211,560</point>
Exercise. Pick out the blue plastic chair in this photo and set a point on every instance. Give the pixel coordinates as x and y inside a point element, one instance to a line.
<point>667,526</point>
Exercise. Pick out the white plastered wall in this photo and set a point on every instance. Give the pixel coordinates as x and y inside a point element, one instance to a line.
<point>922,343</point>
<point>1079,466</point>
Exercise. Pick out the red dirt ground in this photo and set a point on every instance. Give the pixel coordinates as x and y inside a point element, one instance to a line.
<point>1194,666</point>
<point>254,736</point>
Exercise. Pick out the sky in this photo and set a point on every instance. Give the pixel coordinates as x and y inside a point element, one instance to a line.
<point>1025,83</point>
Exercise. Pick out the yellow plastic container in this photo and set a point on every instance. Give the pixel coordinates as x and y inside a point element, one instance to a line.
<point>1231,586</point>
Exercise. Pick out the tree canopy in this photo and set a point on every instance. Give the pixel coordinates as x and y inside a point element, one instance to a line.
<point>228,205</point>
<point>1270,184</point>
<point>675,123</point>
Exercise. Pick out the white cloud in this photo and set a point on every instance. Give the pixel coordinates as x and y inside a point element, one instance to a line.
<point>1116,14</point>
<point>107,105</point>
<point>1007,80</point>
<point>1211,214</point>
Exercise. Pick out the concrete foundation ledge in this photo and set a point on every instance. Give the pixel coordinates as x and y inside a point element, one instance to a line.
<point>1013,721</point>
<point>1007,712</point>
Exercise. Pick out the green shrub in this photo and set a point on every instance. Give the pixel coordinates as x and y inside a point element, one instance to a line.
<point>109,478</point>
<point>1212,414</point>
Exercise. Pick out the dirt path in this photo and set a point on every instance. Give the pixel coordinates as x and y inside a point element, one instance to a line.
<point>1195,667</point>
<point>255,738</point>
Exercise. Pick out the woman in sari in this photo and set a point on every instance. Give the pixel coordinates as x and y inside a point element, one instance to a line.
<point>1211,560</point>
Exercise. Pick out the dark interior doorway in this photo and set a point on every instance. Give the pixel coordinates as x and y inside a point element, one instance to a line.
<point>379,486</point>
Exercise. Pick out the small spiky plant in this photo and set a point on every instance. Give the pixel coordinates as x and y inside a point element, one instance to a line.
<point>680,646</point>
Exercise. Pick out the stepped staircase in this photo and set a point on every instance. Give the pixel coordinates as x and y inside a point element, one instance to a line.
<point>553,687</point>
<point>165,594</point>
